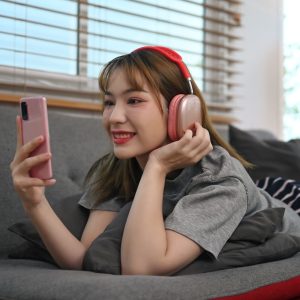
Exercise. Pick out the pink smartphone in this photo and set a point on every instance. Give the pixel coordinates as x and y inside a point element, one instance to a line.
<point>35,123</point>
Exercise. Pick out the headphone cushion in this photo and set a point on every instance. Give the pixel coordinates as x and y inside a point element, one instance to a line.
<point>184,111</point>
<point>173,117</point>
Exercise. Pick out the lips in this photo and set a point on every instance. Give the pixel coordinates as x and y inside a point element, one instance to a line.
<point>121,137</point>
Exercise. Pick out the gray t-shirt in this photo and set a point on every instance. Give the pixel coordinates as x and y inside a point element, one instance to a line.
<point>207,201</point>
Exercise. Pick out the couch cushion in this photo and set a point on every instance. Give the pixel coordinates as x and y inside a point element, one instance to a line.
<point>26,279</point>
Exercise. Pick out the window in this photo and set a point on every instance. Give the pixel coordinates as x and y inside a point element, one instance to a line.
<point>39,36</point>
<point>291,48</point>
<point>58,47</point>
<point>121,26</point>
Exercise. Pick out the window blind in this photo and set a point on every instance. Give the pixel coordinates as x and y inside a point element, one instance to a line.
<point>58,47</point>
<point>222,49</point>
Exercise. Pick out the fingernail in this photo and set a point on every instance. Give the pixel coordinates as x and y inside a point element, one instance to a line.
<point>50,181</point>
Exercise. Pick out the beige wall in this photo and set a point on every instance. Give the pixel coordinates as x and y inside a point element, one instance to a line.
<point>261,105</point>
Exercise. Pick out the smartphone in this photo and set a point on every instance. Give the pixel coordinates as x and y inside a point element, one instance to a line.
<point>35,123</point>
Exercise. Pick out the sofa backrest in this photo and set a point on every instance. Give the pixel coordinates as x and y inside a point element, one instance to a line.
<point>77,140</point>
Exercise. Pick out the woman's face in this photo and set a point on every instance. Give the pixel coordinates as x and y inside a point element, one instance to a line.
<point>133,119</point>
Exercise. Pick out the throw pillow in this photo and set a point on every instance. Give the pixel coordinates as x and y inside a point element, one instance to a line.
<point>286,190</point>
<point>104,255</point>
<point>254,241</point>
<point>272,158</point>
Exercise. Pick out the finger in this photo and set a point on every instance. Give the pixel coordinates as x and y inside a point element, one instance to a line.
<point>26,165</point>
<point>49,182</point>
<point>204,151</point>
<point>200,145</point>
<point>200,131</point>
<point>29,182</point>
<point>25,151</point>
<point>194,138</point>
<point>206,140</point>
<point>202,136</point>
<point>187,136</point>
<point>183,145</point>
<point>33,144</point>
<point>42,182</point>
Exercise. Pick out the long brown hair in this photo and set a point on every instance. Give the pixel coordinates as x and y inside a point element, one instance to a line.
<point>110,176</point>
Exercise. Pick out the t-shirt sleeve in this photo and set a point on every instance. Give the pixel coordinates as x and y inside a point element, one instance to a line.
<point>113,204</point>
<point>210,213</point>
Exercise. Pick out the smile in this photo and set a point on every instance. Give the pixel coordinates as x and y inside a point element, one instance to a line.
<point>122,137</point>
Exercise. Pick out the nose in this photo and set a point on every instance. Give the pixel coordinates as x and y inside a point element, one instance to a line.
<point>117,114</point>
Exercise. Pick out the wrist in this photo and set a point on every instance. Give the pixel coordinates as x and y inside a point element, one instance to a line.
<point>157,167</point>
<point>31,208</point>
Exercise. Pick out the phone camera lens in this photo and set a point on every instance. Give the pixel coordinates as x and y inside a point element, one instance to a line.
<point>24,110</point>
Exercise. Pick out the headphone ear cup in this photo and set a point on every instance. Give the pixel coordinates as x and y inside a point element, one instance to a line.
<point>184,111</point>
<point>173,117</point>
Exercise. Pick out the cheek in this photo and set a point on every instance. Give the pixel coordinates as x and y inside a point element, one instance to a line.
<point>160,127</point>
<point>105,118</point>
<point>163,121</point>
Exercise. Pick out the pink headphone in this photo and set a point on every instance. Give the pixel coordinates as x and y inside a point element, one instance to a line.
<point>184,110</point>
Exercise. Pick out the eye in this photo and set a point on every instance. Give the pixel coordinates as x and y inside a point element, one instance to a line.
<point>134,101</point>
<point>108,103</point>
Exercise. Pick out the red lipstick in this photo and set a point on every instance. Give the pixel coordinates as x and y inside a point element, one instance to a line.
<point>120,137</point>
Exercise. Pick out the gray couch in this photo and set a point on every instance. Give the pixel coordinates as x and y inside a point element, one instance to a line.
<point>77,141</point>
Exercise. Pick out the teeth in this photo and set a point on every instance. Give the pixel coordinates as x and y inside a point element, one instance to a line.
<point>122,135</point>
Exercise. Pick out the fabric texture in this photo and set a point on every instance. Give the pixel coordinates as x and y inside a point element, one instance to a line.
<point>271,157</point>
<point>209,214</point>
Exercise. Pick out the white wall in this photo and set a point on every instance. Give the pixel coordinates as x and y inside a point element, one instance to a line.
<point>261,103</point>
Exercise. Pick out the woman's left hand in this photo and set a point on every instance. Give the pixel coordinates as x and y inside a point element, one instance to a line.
<point>184,152</point>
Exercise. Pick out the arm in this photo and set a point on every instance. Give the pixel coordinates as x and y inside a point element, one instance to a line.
<point>147,248</point>
<point>66,250</point>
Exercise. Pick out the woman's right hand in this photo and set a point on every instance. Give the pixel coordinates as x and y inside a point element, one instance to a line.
<point>191,148</point>
<point>31,190</point>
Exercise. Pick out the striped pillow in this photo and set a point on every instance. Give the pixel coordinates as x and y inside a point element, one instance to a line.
<point>286,190</point>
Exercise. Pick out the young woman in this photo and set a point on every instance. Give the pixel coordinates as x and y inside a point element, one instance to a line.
<point>187,195</point>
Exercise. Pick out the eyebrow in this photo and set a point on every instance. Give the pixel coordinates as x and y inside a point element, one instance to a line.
<point>108,93</point>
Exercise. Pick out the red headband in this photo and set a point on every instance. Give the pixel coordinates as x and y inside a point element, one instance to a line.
<point>170,54</point>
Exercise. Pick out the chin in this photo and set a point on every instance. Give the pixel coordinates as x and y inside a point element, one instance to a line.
<point>123,155</point>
